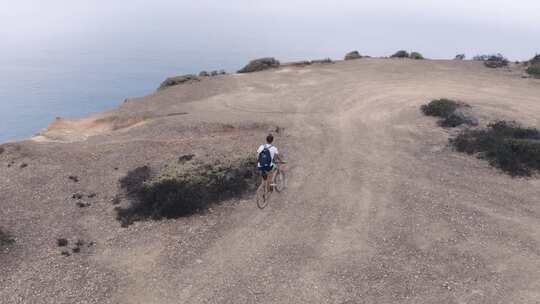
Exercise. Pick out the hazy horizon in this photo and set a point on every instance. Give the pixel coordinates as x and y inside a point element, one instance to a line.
<point>281,28</point>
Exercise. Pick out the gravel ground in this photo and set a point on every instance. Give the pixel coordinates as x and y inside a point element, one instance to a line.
<point>378,208</point>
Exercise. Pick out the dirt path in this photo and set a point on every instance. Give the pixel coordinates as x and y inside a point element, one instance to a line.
<point>378,209</point>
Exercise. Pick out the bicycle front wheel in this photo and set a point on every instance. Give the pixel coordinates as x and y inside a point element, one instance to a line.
<point>262,197</point>
<point>279,181</point>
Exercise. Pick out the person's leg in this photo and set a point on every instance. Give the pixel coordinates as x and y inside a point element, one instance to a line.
<point>264,185</point>
<point>271,177</point>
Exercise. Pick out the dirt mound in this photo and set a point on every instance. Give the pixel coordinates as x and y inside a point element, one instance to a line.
<point>260,64</point>
<point>184,188</point>
<point>73,130</point>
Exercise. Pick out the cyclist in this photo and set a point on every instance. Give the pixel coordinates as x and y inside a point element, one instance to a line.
<point>267,156</point>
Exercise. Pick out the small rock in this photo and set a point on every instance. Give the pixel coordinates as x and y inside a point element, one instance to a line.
<point>115,200</point>
<point>92,195</point>
<point>83,205</point>
<point>74,178</point>
<point>185,158</point>
<point>23,165</point>
<point>65,253</point>
<point>62,242</point>
<point>77,196</point>
<point>76,249</point>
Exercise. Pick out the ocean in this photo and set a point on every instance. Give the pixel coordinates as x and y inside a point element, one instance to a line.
<point>36,87</point>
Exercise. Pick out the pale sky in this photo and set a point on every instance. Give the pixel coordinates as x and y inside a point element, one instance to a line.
<point>286,28</point>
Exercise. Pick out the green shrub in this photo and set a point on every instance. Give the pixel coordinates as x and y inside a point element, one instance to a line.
<point>400,54</point>
<point>458,118</point>
<point>535,60</point>
<point>440,107</point>
<point>184,188</point>
<point>506,145</point>
<point>534,70</point>
<point>416,55</point>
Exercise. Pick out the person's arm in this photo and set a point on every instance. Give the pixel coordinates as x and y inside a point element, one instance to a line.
<point>279,159</point>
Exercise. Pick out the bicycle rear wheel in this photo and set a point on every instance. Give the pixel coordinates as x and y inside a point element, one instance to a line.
<point>279,181</point>
<point>262,196</point>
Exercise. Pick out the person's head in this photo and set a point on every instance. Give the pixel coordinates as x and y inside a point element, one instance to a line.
<point>269,138</point>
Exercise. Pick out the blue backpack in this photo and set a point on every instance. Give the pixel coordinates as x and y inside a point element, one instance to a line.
<point>265,158</point>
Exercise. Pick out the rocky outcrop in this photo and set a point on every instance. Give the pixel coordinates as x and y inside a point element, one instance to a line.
<point>172,81</point>
<point>353,55</point>
<point>260,65</point>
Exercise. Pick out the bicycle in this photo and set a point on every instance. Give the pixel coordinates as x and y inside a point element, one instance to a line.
<point>263,191</point>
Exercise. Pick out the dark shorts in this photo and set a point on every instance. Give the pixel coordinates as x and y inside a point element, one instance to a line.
<point>264,171</point>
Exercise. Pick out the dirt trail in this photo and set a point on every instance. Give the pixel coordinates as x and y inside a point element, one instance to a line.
<point>378,209</point>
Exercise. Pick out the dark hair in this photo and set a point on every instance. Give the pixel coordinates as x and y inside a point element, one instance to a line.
<point>269,138</point>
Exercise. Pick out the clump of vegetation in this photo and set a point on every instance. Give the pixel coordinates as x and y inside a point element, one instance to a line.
<point>492,61</point>
<point>322,61</point>
<point>535,60</point>
<point>184,188</point>
<point>400,54</point>
<point>177,80</point>
<point>534,70</point>
<point>353,55</point>
<point>449,111</point>
<point>416,55</point>
<point>505,144</point>
<point>460,57</point>
<point>440,107</point>
<point>260,64</point>
<point>457,119</point>
<point>5,239</point>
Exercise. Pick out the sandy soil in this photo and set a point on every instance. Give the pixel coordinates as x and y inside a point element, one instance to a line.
<point>378,209</point>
